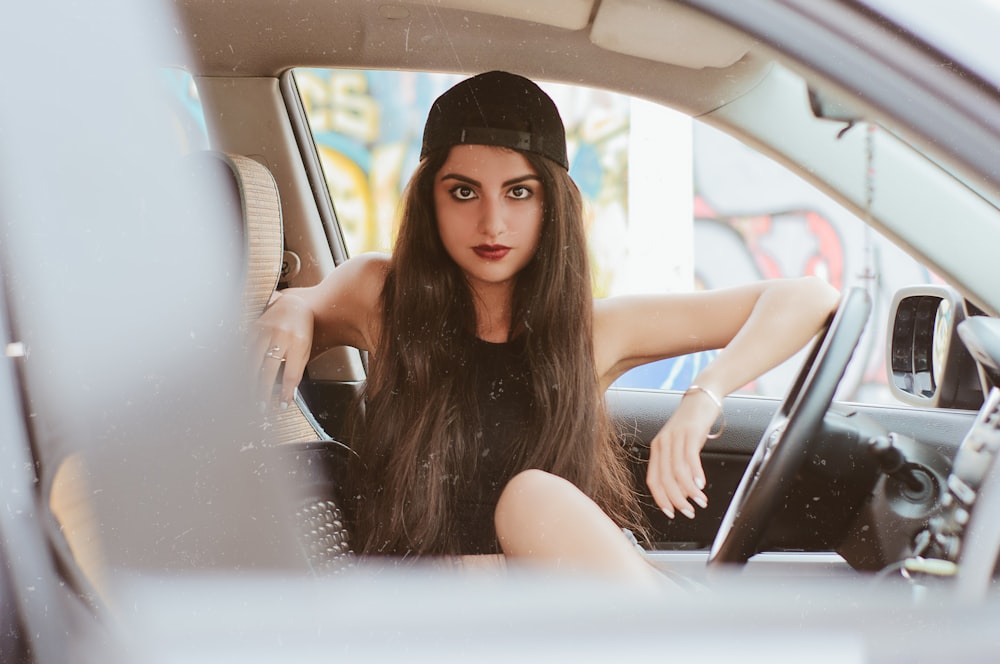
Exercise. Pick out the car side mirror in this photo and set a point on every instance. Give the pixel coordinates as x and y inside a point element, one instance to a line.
<point>928,364</point>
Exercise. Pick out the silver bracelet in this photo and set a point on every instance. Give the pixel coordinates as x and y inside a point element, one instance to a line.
<point>717,401</point>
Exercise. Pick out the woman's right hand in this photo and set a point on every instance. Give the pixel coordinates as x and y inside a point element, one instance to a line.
<point>284,334</point>
<point>342,310</point>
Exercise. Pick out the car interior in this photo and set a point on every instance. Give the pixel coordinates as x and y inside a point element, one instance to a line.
<point>812,484</point>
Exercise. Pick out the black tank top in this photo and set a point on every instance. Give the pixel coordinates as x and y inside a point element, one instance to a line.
<point>503,403</point>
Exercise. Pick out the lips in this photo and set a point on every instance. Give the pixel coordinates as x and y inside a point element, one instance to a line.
<point>491,252</point>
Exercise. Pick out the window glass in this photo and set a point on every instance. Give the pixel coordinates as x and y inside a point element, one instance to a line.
<point>672,204</point>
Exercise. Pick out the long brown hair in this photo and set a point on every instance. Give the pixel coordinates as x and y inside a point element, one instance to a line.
<point>419,419</point>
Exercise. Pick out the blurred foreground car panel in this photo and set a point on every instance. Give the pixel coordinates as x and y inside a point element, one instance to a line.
<point>121,279</point>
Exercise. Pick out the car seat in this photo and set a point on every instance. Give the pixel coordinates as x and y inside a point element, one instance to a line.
<point>307,460</point>
<point>312,461</point>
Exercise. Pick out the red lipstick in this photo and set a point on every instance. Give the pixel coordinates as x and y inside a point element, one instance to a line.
<point>491,252</point>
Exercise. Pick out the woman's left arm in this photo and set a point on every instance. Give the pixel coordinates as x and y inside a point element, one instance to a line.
<point>756,326</point>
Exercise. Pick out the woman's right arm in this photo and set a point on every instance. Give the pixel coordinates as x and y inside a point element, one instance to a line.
<point>299,323</point>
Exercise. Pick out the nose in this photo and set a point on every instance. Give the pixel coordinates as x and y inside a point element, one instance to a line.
<point>491,217</point>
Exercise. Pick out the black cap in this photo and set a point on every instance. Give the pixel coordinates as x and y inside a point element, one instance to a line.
<point>496,108</point>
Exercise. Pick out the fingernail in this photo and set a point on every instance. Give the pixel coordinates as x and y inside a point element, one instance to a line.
<point>669,512</point>
<point>700,501</point>
<point>688,512</point>
<point>283,405</point>
<point>699,482</point>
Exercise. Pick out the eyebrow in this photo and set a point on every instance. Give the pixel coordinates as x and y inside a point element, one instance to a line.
<point>476,183</point>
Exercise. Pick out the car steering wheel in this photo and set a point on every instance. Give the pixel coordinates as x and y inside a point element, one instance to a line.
<point>788,439</point>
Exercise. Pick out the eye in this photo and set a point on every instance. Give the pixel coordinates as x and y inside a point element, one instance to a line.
<point>521,192</point>
<point>462,192</point>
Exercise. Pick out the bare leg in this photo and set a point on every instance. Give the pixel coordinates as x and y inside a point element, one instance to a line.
<point>545,518</point>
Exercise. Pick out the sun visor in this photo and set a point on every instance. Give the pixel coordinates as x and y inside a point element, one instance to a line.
<point>667,32</point>
<point>569,14</point>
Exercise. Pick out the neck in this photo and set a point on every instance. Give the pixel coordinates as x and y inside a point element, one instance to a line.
<point>493,310</point>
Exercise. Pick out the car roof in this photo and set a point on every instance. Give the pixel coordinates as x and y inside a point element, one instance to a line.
<point>672,52</point>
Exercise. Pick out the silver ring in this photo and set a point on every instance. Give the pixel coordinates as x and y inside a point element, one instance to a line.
<point>274,357</point>
<point>274,349</point>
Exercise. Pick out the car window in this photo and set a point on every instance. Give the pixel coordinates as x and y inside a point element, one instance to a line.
<point>672,204</point>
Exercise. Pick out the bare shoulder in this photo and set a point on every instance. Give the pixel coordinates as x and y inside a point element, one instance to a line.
<point>346,304</point>
<point>371,264</point>
<point>361,277</point>
<point>367,271</point>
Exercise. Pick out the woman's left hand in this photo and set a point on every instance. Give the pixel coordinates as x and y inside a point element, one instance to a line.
<point>675,475</point>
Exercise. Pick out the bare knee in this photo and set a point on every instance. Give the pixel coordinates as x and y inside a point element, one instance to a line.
<point>524,501</point>
<point>545,518</point>
<point>541,514</point>
<point>528,486</point>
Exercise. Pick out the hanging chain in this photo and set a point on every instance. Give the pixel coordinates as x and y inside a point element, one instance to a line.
<point>869,275</point>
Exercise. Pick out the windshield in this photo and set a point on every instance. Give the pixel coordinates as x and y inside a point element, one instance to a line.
<point>968,36</point>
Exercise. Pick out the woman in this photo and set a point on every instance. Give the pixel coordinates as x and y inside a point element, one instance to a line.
<point>485,430</point>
